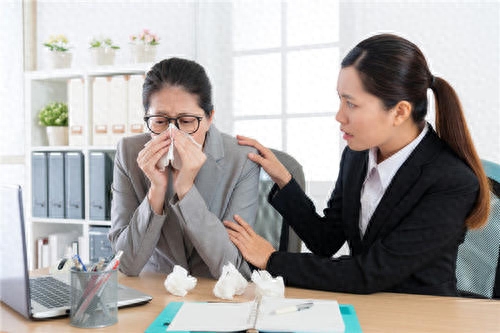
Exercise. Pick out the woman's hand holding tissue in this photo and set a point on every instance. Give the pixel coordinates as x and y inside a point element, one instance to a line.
<point>192,157</point>
<point>277,171</point>
<point>147,160</point>
<point>254,248</point>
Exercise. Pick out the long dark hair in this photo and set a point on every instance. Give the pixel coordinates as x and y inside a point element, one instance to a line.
<point>177,72</point>
<point>394,69</point>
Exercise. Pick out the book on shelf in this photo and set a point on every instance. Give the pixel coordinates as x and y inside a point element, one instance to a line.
<point>269,314</point>
<point>52,248</point>
<point>60,244</point>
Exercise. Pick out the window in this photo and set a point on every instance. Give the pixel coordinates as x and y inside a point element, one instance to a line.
<point>285,66</point>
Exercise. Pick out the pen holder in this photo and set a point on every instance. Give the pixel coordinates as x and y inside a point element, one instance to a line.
<point>94,298</point>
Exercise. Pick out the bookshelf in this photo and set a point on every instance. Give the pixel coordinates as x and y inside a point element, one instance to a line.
<point>42,87</point>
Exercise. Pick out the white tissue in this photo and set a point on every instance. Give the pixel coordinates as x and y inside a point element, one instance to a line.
<point>266,285</point>
<point>179,282</point>
<point>230,283</point>
<point>172,157</point>
<point>168,158</point>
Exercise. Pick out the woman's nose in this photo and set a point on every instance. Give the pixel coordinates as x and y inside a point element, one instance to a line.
<point>340,116</point>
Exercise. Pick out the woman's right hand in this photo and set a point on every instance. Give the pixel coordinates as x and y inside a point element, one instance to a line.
<point>269,162</point>
<point>147,160</point>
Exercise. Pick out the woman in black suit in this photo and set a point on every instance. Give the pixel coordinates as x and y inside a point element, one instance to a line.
<point>404,196</point>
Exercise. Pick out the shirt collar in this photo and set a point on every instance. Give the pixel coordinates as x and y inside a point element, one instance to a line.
<point>388,168</point>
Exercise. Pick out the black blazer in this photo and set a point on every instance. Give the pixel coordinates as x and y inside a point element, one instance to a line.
<point>411,242</point>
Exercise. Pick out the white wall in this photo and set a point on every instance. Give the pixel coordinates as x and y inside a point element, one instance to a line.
<point>461,41</point>
<point>172,21</point>
<point>11,93</point>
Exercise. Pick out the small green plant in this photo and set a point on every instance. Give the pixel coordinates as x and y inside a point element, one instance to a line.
<point>57,43</point>
<point>103,42</point>
<point>54,114</point>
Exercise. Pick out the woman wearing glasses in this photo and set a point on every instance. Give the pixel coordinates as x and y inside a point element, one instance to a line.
<point>404,196</point>
<point>163,217</point>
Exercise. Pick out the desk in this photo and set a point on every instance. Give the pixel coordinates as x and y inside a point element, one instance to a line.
<point>380,312</point>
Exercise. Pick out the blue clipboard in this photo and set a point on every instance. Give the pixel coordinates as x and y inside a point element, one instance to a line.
<point>161,322</point>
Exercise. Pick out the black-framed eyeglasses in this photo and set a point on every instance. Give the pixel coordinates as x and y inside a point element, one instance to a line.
<point>188,124</point>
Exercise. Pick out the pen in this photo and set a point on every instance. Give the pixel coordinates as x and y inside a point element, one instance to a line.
<point>77,257</point>
<point>293,308</point>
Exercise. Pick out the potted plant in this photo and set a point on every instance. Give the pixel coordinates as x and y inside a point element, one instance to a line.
<point>144,46</point>
<point>58,47</point>
<point>55,117</point>
<point>103,50</point>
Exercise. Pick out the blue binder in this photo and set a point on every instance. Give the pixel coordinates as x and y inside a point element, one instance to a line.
<point>161,322</point>
<point>56,184</point>
<point>39,197</point>
<point>74,185</point>
<point>100,178</point>
<point>99,244</point>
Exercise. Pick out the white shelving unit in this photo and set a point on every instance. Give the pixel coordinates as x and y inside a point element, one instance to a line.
<point>42,87</point>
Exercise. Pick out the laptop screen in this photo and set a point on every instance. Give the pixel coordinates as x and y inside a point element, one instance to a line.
<point>14,284</point>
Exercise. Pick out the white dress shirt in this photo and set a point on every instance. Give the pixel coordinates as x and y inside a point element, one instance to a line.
<point>378,178</point>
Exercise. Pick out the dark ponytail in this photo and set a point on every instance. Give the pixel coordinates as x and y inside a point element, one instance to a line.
<point>394,69</point>
<point>452,128</point>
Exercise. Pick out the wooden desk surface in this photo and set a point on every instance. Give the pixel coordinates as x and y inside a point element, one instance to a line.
<point>381,312</point>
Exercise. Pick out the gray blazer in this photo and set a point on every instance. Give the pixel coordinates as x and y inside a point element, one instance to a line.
<point>190,233</point>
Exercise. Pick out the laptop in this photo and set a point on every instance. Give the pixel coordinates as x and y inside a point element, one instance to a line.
<point>17,289</point>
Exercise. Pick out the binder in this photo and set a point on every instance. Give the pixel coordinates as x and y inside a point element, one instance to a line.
<point>99,244</point>
<point>100,112</point>
<point>76,111</point>
<point>100,178</point>
<point>39,198</point>
<point>136,123</point>
<point>74,185</point>
<point>56,184</point>
<point>117,104</point>
<point>167,315</point>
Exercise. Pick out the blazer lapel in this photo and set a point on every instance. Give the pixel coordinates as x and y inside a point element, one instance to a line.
<point>211,172</point>
<point>356,172</point>
<point>401,185</point>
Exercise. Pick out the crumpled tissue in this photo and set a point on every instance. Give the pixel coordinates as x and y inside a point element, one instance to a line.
<point>172,157</point>
<point>230,283</point>
<point>179,282</point>
<point>266,285</point>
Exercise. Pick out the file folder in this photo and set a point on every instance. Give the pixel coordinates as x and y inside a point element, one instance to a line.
<point>39,197</point>
<point>74,185</point>
<point>56,184</point>
<point>100,178</point>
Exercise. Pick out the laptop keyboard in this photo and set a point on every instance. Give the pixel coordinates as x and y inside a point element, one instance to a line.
<point>50,292</point>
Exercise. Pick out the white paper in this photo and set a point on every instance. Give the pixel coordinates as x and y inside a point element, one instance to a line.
<point>323,316</point>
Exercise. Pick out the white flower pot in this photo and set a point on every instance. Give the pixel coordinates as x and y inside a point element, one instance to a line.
<point>102,56</point>
<point>143,53</point>
<point>59,59</point>
<point>57,135</point>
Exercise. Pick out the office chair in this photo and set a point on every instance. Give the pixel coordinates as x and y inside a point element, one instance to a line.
<point>478,260</point>
<point>269,223</point>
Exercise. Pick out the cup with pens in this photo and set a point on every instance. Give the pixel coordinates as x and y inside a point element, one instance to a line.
<point>94,293</point>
